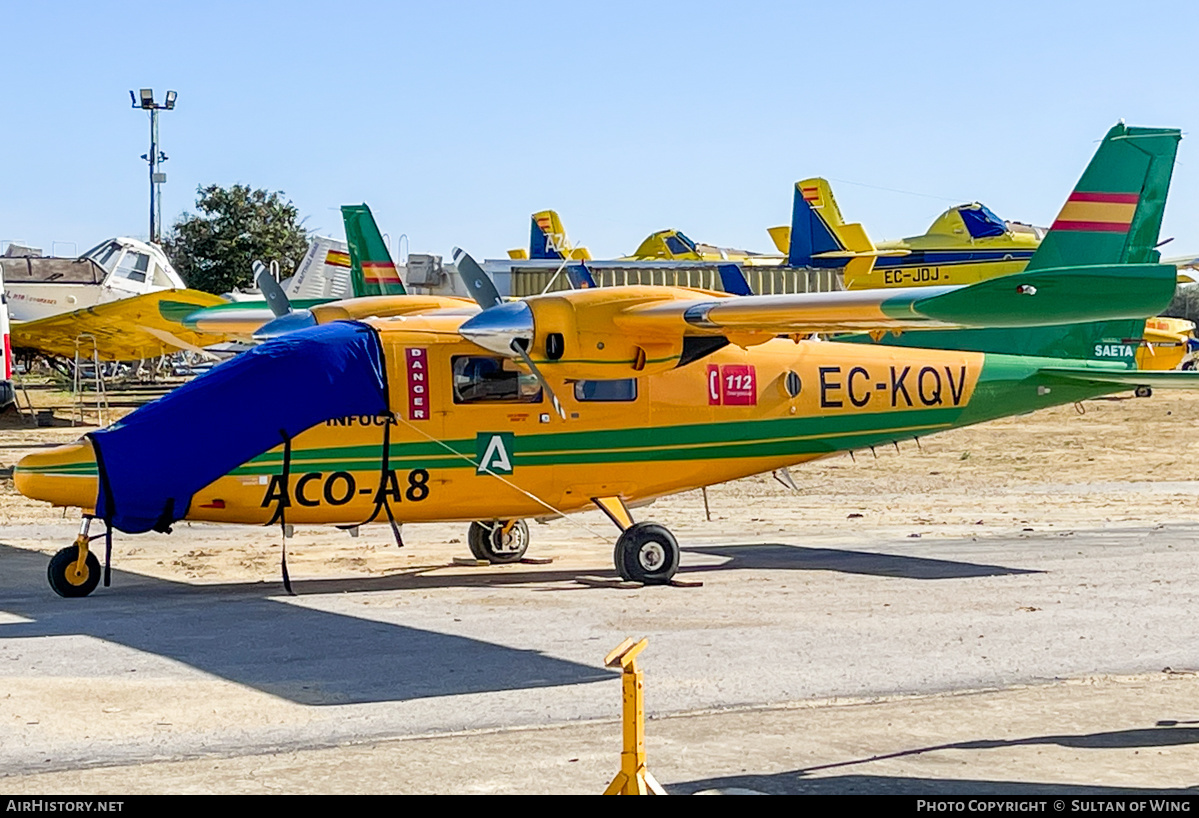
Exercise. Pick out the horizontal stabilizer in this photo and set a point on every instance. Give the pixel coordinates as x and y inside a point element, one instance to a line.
<point>1170,379</point>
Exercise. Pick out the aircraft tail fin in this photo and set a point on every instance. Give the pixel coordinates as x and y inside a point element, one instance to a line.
<point>1114,214</point>
<point>324,272</point>
<point>580,277</point>
<point>733,280</point>
<point>548,240</point>
<point>819,235</point>
<point>372,270</point>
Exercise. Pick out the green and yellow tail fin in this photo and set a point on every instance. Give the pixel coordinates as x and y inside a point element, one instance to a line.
<point>1114,214</point>
<point>371,268</point>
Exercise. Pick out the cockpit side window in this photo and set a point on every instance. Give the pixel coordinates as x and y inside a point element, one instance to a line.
<point>160,278</point>
<point>134,266</point>
<point>483,379</point>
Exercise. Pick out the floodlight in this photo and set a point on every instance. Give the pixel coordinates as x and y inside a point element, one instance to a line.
<point>147,95</point>
<point>171,99</point>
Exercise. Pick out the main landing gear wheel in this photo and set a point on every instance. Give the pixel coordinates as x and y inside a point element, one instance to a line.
<point>65,580</point>
<point>647,552</point>
<point>1143,392</point>
<point>491,542</point>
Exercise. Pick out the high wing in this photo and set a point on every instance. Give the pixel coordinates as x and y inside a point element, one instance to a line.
<point>144,326</point>
<point>595,331</point>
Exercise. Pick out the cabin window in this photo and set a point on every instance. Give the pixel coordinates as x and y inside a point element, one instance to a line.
<point>160,278</point>
<point>133,266</point>
<point>106,255</point>
<point>483,379</point>
<point>676,246</point>
<point>623,389</point>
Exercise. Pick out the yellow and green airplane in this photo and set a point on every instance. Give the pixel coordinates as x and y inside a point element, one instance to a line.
<point>603,397</point>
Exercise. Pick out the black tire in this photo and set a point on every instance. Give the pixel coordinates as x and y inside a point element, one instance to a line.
<point>1143,392</point>
<point>647,552</point>
<point>488,542</point>
<point>64,561</point>
<point>1189,365</point>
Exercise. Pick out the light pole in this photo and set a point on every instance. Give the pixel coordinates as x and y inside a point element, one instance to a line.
<point>144,99</point>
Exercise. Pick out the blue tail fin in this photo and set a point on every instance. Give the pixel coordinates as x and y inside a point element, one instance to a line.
<point>733,280</point>
<point>811,231</point>
<point>580,277</point>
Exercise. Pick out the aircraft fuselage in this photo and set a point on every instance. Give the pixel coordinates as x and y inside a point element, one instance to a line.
<point>473,438</point>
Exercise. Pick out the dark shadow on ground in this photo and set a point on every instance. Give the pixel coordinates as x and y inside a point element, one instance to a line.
<point>803,781</point>
<point>779,557</point>
<point>794,783</point>
<point>307,656</point>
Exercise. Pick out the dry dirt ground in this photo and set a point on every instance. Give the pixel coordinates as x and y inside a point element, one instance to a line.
<point>1110,463</point>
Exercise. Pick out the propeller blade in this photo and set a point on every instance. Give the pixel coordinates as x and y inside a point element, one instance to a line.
<point>276,299</point>
<point>480,287</point>
<point>524,356</point>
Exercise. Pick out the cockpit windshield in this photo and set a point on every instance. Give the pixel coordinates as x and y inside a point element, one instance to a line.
<point>105,254</point>
<point>982,223</point>
<point>679,244</point>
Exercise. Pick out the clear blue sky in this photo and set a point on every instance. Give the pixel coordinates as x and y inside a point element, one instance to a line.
<point>455,120</point>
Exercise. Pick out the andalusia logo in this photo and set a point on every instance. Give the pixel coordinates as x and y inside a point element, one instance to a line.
<point>493,452</point>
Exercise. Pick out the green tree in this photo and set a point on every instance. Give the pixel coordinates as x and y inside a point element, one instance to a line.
<point>236,226</point>
<point>1185,304</point>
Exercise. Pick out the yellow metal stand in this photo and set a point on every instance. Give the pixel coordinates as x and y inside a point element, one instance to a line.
<point>633,778</point>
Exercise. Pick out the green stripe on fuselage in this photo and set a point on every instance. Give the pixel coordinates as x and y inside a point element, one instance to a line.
<point>1008,385</point>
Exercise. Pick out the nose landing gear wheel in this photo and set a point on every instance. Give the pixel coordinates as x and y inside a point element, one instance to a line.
<point>647,552</point>
<point>1143,392</point>
<point>489,541</point>
<point>65,580</point>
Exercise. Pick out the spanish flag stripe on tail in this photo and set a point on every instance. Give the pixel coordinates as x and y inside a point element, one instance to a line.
<point>337,258</point>
<point>1111,198</point>
<point>1092,227</point>
<point>380,271</point>
<point>1097,212</point>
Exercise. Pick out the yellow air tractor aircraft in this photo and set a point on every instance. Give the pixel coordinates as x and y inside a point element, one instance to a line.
<point>590,398</point>
<point>964,244</point>
<point>548,242</point>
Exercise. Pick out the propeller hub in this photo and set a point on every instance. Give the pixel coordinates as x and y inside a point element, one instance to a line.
<point>497,328</point>
<point>288,322</point>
